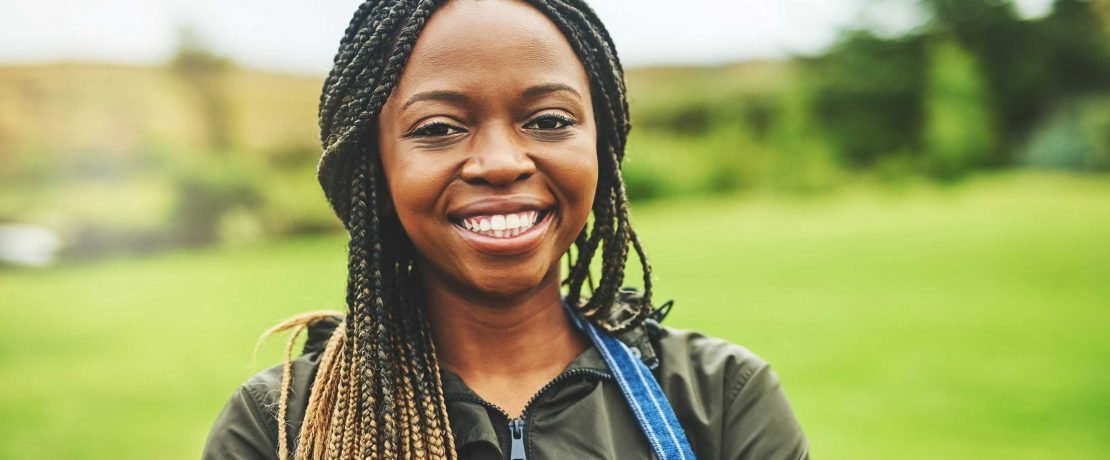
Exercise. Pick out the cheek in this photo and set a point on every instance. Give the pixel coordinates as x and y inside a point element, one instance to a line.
<point>577,176</point>
<point>414,187</point>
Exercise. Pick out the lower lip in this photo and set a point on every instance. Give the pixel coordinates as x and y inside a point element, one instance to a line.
<point>519,244</point>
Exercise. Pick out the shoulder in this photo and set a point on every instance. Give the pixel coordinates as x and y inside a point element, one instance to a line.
<point>265,387</point>
<point>247,427</point>
<point>712,361</point>
<point>727,397</point>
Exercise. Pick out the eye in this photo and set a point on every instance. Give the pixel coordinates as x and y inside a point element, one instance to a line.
<point>549,121</point>
<point>435,129</point>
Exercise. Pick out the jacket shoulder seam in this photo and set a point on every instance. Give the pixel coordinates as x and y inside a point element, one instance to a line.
<point>743,376</point>
<point>259,410</point>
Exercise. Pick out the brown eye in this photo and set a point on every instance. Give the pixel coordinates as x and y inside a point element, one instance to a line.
<point>435,130</point>
<point>549,122</point>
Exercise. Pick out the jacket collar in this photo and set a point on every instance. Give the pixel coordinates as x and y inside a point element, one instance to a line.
<point>637,338</point>
<point>470,421</point>
<point>469,415</point>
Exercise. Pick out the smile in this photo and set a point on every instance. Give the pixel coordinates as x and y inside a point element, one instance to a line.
<point>504,233</point>
<point>502,225</point>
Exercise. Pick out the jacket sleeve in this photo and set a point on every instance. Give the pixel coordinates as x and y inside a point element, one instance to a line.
<point>241,431</point>
<point>758,421</point>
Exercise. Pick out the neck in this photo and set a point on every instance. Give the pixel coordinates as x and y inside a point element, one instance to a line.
<point>526,337</point>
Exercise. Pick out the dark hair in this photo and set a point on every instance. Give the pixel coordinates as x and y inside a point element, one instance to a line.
<point>378,392</point>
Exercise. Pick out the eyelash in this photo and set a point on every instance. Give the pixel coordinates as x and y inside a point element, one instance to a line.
<point>427,130</point>
<point>565,121</point>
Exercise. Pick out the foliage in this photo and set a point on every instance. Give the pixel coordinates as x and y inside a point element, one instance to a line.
<point>206,192</point>
<point>869,96</point>
<point>1015,57</point>
<point>205,74</point>
<point>1076,136</point>
<point>960,132</point>
<point>976,64</point>
<point>724,130</point>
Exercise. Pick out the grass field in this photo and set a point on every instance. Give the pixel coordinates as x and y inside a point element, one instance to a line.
<point>966,322</point>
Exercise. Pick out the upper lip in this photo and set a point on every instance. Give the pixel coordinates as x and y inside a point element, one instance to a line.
<point>498,205</point>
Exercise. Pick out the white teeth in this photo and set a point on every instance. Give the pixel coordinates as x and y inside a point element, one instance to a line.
<point>501,225</point>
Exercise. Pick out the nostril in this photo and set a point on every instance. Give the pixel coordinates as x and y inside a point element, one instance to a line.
<point>476,181</point>
<point>497,169</point>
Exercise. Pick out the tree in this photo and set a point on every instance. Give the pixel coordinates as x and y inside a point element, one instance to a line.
<point>205,75</point>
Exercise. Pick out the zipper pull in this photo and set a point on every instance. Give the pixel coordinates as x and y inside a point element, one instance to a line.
<point>516,431</point>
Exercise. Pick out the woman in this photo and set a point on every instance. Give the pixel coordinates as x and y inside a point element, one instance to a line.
<point>466,144</point>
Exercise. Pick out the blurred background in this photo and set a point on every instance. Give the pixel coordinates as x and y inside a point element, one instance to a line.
<point>903,205</point>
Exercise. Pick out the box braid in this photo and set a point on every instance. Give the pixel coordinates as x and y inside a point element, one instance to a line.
<point>377,393</point>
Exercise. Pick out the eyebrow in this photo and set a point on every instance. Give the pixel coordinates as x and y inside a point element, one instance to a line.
<point>540,90</point>
<point>446,96</point>
<point>461,98</point>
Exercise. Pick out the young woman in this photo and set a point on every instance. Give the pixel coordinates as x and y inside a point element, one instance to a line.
<point>467,143</point>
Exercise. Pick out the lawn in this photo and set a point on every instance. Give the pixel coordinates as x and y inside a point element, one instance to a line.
<point>920,322</point>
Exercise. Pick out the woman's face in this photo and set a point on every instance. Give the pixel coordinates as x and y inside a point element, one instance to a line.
<point>489,147</point>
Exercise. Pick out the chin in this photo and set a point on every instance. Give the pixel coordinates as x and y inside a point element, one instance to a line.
<point>509,283</point>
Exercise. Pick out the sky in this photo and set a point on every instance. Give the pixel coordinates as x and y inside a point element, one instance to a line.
<point>301,36</point>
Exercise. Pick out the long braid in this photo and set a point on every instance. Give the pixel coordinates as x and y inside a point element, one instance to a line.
<point>381,329</point>
<point>378,392</point>
<point>367,369</point>
<point>351,430</point>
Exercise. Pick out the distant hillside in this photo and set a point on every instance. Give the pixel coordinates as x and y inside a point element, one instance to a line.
<point>81,108</point>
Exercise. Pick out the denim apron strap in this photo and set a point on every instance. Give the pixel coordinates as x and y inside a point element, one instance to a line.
<point>645,398</point>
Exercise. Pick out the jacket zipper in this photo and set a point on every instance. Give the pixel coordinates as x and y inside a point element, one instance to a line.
<point>516,432</point>
<point>517,452</point>
<point>517,426</point>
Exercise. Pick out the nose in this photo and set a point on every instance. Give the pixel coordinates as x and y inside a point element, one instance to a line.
<point>498,160</point>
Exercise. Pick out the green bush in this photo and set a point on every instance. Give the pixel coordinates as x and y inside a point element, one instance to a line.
<point>208,187</point>
<point>868,96</point>
<point>643,183</point>
<point>1076,137</point>
<point>960,133</point>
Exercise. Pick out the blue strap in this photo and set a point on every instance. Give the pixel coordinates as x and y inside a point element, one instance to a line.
<point>645,398</point>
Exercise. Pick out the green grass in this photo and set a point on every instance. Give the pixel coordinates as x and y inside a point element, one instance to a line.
<point>967,322</point>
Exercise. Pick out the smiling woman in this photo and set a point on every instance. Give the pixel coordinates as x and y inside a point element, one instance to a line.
<point>466,145</point>
<point>459,142</point>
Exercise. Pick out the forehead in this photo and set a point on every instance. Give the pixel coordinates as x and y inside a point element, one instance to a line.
<point>476,43</point>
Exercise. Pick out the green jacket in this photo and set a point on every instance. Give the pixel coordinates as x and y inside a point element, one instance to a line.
<point>727,399</point>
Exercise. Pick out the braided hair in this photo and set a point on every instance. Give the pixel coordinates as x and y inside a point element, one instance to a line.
<point>377,392</point>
